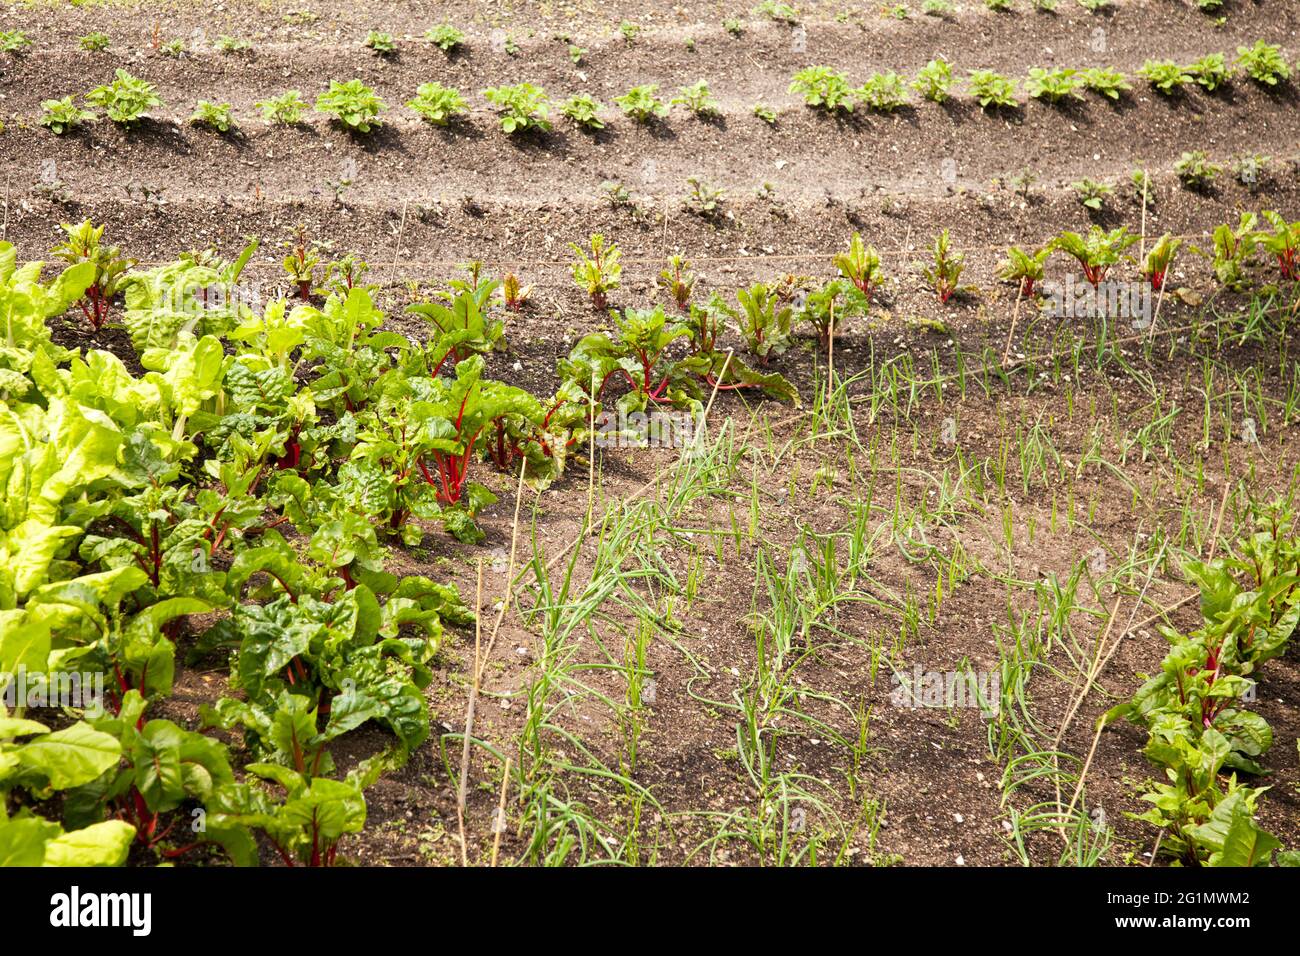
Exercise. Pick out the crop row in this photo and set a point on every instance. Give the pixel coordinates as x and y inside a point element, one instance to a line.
<point>451,40</point>
<point>524,107</point>
<point>1195,708</point>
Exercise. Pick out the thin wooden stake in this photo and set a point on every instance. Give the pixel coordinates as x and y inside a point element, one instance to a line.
<point>1015,317</point>
<point>499,824</point>
<point>830,355</point>
<point>463,789</point>
<point>480,662</point>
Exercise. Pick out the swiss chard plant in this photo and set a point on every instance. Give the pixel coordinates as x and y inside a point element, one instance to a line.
<point>301,261</point>
<point>163,768</point>
<point>725,371</point>
<point>1232,250</point>
<point>766,319</point>
<point>637,356</point>
<point>1194,709</point>
<point>464,325</point>
<point>861,266</point>
<point>340,662</point>
<point>828,307</point>
<point>678,281</point>
<point>514,294</point>
<point>417,445</point>
<point>303,816</point>
<point>84,243</point>
<point>198,294</point>
<point>1096,252</point>
<point>352,351</point>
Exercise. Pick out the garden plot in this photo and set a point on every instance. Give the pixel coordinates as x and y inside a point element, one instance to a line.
<point>781,436</point>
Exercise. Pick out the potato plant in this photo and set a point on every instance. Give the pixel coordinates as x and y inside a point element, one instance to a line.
<point>14,41</point>
<point>215,116</point>
<point>445,37</point>
<point>1264,63</point>
<point>697,99</point>
<point>641,103</point>
<point>62,116</point>
<point>1054,85</point>
<point>353,105</point>
<point>380,42</point>
<point>883,92</point>
<point>95,42</point>
<point>127,100</point>
<point>992,90</point>
<point>1210,72</point>
<point>523,108</point>
<point>934,81</point>
<point>437,104</point>
<point>823,88</point>
<point>286,109</point>
<point>1165,76</point>
<point>583,110</point>
<point>1109,83</point>
<point>1196,170</point>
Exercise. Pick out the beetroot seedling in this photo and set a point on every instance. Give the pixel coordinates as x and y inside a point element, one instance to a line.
<point>1155,267</point>
<point>861,266</point>
<point>301,262</point>
<point>1283,244</point>
<point>597,274</point>
<point>945,271</point>
<point>1024,268</point>
<point>678,280</point>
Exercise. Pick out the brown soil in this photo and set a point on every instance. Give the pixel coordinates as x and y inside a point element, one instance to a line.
<point>423,200</point>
